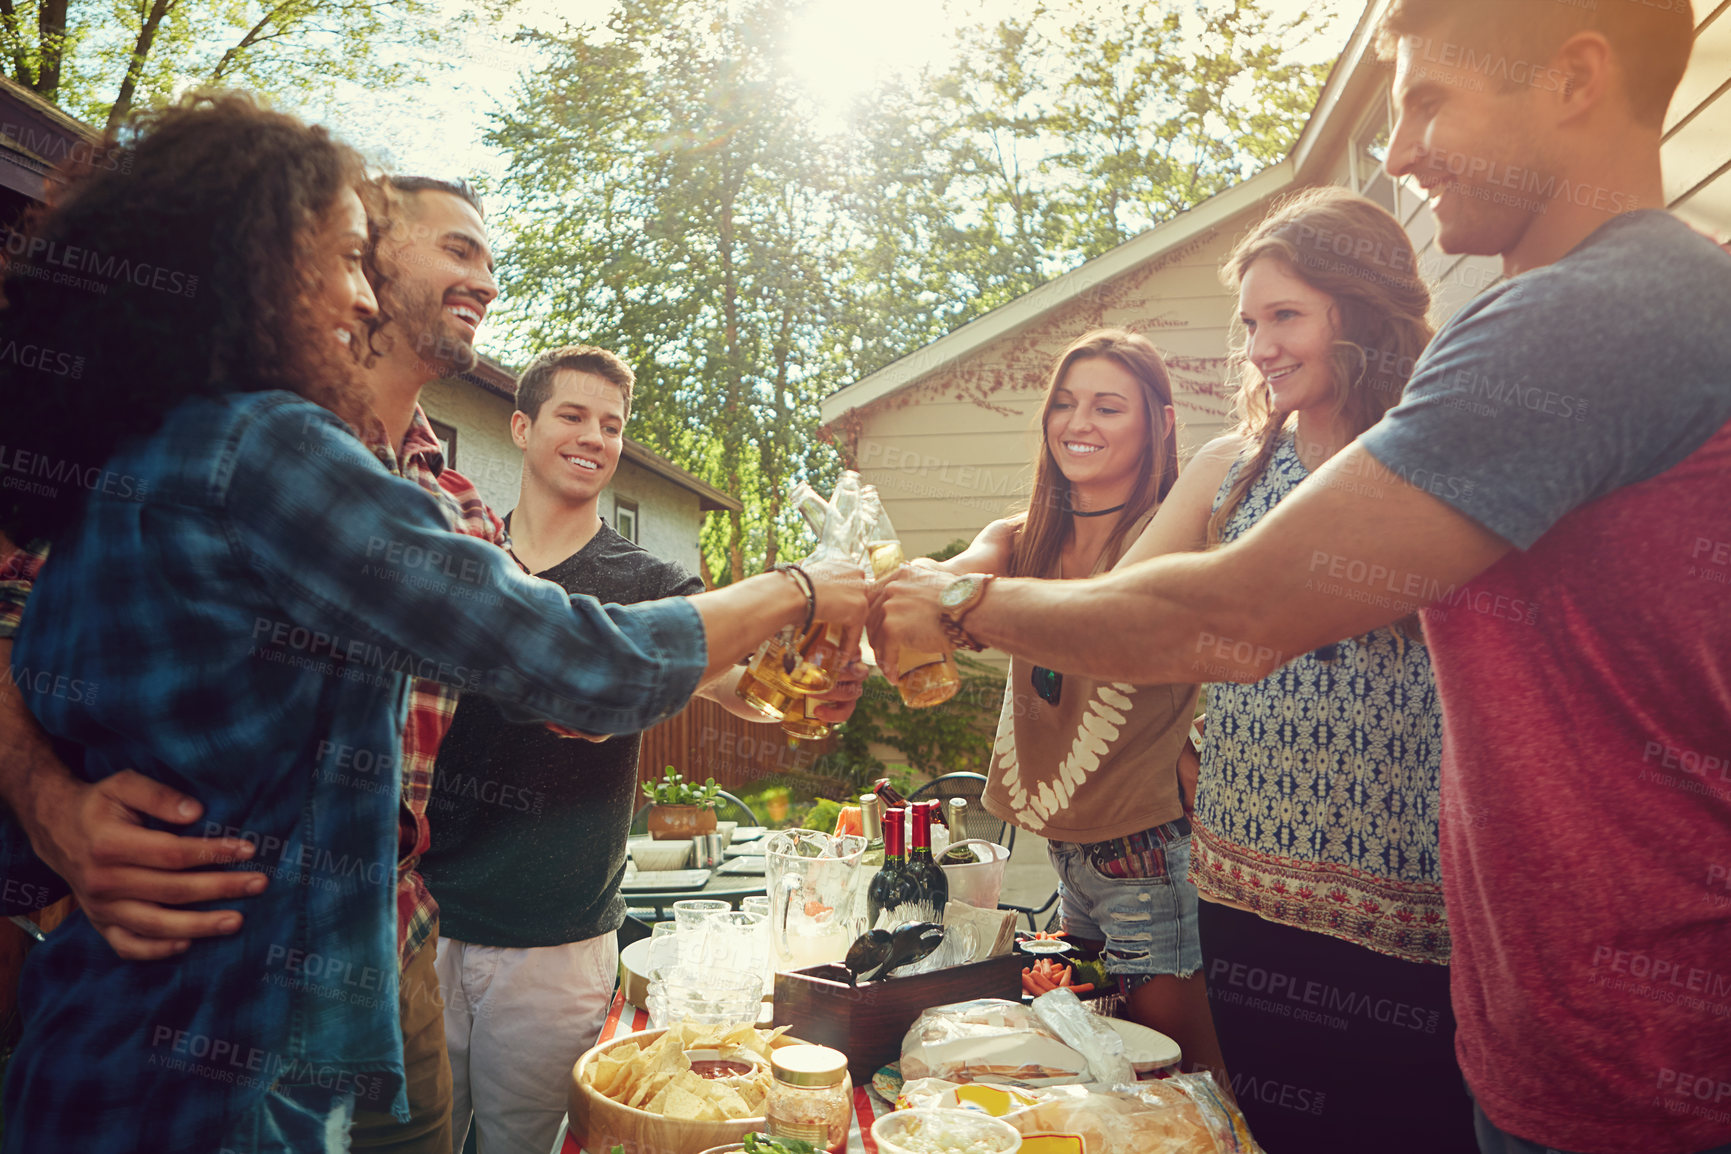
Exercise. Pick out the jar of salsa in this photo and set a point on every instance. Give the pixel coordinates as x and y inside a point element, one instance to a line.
<point>807,1097</point>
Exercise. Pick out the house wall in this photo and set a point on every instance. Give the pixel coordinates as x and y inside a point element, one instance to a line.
<point>1697,142</point>
<point>669,517</point>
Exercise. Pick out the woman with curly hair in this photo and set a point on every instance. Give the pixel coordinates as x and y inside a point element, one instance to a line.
<point>1317,800</point>
<point>241,588</point>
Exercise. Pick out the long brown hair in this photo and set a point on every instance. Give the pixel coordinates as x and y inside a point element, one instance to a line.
<point>1354,250</point>
<point>1045,527</point>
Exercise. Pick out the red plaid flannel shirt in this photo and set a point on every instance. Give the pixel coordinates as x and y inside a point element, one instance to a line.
<point>431,705</point>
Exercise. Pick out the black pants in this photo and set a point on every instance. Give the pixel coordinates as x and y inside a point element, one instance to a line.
<point>1333,1048</point>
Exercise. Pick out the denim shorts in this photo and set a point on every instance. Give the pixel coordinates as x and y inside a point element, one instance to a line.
<point>1134,893</point>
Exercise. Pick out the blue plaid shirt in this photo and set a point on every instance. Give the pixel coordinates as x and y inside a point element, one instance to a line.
<point>238,615</point>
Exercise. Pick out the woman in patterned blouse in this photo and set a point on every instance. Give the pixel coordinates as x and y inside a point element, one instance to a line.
<point>1316,807</point>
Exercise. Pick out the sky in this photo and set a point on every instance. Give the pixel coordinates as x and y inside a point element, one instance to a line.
<point>841,48</point>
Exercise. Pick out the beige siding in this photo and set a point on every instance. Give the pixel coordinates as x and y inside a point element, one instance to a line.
<point>1697,148</point>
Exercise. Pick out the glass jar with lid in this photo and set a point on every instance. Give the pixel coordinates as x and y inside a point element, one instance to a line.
<point>808,1097</point>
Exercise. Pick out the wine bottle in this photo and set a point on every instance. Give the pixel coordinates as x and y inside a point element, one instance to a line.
<point>958,823</point>
<point>871,814</point>
<point>889,795</point>
<point>894,890</point>
<point>933,886</point>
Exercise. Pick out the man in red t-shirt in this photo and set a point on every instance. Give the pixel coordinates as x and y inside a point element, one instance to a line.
<point>1554,489</point>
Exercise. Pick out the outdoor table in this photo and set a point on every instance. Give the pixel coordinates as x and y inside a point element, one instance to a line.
<point>729,887</point>
<point>624,1020</point>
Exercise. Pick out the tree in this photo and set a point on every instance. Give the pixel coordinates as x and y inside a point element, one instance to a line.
<point>669,196</point>
<point>99,59</point>
<point>1054,136</point>
<point>669,199</point>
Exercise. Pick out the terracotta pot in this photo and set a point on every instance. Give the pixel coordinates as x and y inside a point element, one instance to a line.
<point>680,822</point>
<point>776,807</point>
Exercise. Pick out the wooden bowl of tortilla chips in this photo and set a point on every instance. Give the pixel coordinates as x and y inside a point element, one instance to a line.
<point>641,1092</point>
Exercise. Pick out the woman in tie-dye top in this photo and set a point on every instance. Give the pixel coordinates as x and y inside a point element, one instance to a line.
<point>1092,766</point>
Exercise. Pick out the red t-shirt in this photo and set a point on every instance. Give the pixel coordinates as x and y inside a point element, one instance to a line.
<point>1586,820</point>
<point>1580,412</point>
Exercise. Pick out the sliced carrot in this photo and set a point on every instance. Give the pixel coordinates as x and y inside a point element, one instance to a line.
<point>1083,988</point>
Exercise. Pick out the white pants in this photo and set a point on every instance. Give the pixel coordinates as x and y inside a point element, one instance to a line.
<point>516,1021</point>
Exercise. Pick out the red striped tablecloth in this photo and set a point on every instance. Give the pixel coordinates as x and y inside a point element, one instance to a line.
<point>624,1020</point>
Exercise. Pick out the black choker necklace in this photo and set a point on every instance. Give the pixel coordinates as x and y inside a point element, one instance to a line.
<point>1097,512</point>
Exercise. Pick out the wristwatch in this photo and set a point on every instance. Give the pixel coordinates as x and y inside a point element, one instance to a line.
<point>955,602</point>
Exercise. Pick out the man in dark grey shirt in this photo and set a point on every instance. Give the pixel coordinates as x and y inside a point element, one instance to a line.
<point>529,826</point>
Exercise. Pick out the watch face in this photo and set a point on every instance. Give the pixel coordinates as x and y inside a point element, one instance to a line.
<point>957,592</point>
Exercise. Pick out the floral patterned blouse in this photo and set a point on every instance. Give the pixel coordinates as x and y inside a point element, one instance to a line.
<point>1317,804</point>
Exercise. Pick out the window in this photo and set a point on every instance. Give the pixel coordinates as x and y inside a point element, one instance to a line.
<point>446,435</point>
<point>625,519</point>
<point>1369,150</point>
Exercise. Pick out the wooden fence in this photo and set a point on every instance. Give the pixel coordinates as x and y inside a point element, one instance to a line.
<point>707,741</point>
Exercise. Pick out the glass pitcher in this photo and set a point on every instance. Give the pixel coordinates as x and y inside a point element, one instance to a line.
<point>816,886</point>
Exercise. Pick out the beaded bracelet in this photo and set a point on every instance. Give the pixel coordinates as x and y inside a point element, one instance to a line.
<point>803,580</point>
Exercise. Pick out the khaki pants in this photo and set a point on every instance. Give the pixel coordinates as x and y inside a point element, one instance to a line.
<point>428,1130</point>
<point>516,1021</point>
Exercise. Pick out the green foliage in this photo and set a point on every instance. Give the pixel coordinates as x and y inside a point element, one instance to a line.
<point>673,789</point>
<point>954,736</point>
<point>98,59</point>
<point>670,196</point>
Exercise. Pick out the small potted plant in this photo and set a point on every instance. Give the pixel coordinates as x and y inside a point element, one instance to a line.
<point>681,810</point>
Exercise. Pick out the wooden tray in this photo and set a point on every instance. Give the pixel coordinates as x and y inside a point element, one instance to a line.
<point>867,1023</point>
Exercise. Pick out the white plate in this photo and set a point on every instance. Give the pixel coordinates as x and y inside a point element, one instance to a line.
<point>754,866</point>
<point>1148,1050</point>
<point>661,881</point>
<point>749,833</point>
<point>1043,946</point>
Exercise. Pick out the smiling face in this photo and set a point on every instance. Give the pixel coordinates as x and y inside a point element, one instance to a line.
<point>440,283</point>
<point>344,295</point>
<point>1097,429</point>
<point>571,447</point>
<point>1475,147</point>
<point>1292,333</point>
